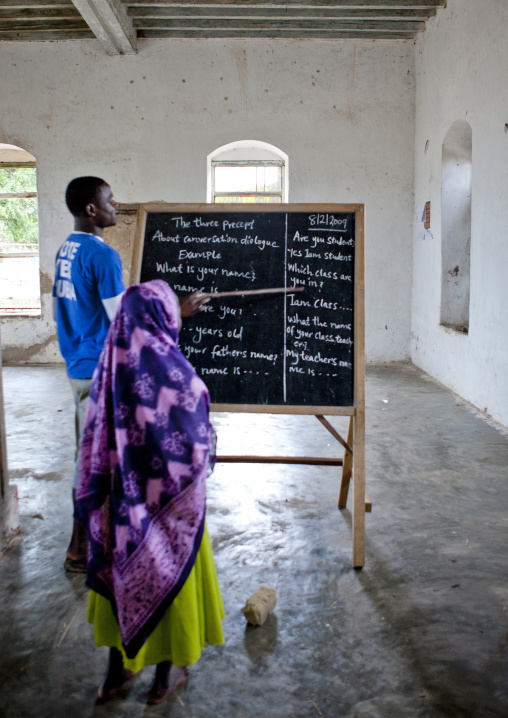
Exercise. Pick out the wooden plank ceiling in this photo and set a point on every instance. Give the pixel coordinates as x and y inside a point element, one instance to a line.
<point>118,25</point>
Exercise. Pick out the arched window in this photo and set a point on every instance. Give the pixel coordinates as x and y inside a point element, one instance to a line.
<point>456,176</point>
<point>247,171</point>
<point>19,234</point>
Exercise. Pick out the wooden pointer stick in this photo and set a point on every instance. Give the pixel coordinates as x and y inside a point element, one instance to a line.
<point>240,292</point>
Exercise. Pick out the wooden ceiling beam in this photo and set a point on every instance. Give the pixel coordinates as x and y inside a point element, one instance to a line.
<point>19,25</point>
<point>345,4</point>
<point>140,14</point>
<point>299,34</point>
<point>67,11</point>
<point>34,35</point>
<point>33,4</point>
<point>280,24</point>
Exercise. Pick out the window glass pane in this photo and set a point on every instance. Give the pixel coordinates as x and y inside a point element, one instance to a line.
<point>269,179</point>
<point>22,179</point>
<point>19,240</point>
<point>18,216</point>
<point>19,283</point>
<point>248,179</point>
<point>247,183</point>
<point>235,179</point>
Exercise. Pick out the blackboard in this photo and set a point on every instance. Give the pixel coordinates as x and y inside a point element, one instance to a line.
<point>285,350</point>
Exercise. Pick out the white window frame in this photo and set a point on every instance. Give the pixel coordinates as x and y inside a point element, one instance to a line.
<point>248,163</point>
<point>243,153</point>
<point>22,253</point>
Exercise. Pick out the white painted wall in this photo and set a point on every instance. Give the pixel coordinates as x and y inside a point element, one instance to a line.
<point>461,63</point>
<point>342,111</point>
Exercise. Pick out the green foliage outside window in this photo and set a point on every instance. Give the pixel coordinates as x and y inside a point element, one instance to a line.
<point>18,216</point>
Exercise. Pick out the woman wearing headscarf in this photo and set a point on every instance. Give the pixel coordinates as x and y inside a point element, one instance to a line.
<point>147,443</point>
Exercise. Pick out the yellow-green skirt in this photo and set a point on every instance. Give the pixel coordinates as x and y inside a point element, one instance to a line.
<point>191,621</point>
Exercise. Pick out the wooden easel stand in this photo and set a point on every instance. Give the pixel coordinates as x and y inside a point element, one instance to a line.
<point>346,462</point>
<point>310,218</point>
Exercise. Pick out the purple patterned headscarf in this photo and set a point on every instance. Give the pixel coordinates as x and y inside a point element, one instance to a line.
<point>143,463</point>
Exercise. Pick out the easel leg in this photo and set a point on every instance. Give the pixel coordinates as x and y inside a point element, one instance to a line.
<point>347,468</point>
<point>359,491</point>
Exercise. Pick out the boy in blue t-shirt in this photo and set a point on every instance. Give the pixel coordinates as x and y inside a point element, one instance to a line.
<point>86,293</point>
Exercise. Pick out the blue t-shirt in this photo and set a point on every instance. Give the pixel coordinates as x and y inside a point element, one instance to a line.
<point>87,271</point>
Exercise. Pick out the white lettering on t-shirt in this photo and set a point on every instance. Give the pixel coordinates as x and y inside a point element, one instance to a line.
<point>65,268</point>
<point>65,287</point>
<point>69,249</point>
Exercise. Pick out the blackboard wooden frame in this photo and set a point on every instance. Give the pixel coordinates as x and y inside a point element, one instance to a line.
<point>353,462</point>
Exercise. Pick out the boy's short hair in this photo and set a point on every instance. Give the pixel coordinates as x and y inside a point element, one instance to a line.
<point>82,191</point>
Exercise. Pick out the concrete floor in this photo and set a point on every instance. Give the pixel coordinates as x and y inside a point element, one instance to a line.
<point>420,631</point>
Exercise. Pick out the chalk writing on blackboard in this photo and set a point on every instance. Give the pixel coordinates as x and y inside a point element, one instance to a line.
<point>283,349</point>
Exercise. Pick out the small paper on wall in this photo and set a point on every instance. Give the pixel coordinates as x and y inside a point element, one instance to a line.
<point>423,233</point>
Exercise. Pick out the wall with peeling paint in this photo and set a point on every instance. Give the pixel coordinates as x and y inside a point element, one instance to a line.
<point>461,63</point>
<point>342,111</point>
